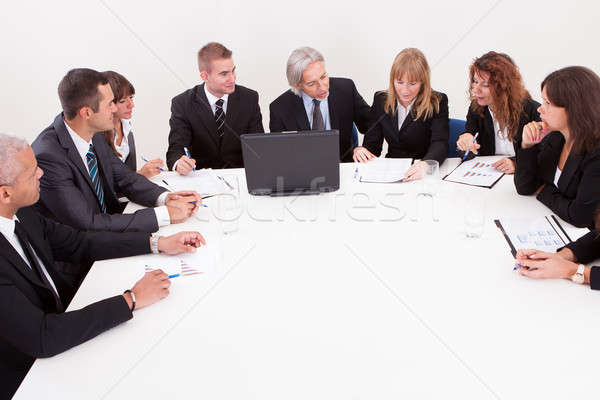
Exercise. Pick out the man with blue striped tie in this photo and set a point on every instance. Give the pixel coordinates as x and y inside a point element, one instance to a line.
<point>82,174</point>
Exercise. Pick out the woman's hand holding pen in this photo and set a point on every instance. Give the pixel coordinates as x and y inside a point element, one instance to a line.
<point>533,133</point>
<point>467,142</point>
<point>151,168</point>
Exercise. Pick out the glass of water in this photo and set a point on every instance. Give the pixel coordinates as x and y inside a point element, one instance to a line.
<point>430,178</point>
<point>475,216</point>
<point>229,205</point>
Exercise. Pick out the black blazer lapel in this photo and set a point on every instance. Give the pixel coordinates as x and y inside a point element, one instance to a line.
<point>332,102</point>
<point>233,111</point>
<point>488,126</point>
<point>131,160</point>
<point>407,121</point>
<point>571,166</point>
<point>15,259</point>
<point>206,115</point>
<point>67,143</point>
<point>300,114</point>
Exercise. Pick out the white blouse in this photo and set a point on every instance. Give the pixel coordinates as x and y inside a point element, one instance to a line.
<point>503,145</point>
<point>557,176</point>
<point>123,149</point>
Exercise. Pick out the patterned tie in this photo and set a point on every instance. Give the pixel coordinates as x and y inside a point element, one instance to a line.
<point>95,175</point>
<point>220,117</point>
<point>318,124</point>
<point>33,262</point>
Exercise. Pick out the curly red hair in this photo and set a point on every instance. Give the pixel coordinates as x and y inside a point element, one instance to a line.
<point>507,89</point>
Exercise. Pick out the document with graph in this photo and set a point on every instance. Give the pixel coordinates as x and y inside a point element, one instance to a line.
<point>476,172</point>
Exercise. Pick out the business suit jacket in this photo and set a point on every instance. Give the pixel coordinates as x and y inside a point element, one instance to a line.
<point>131,160</point>
<point>426,139</point>
<point>33,324</point>
<point>346,107</point>
<point>193,126</point>
<point>67,194</point>
<point>484,124</point>
<point>578,191</point>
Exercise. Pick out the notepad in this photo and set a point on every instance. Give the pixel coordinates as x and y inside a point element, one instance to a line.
<point>383,170</point>
<point>476,172</point>
<point>203,181</point>
<point>543,233</point>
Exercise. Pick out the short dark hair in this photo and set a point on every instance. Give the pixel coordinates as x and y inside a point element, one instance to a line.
<point>577,90</point>
<point>209,52</point>
<point>79,88</point>
<point>120,86</point>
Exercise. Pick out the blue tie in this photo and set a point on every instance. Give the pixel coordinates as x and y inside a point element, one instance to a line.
<point>94,174</point>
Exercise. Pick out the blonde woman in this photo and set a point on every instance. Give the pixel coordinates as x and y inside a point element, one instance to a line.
<point>410,116</point>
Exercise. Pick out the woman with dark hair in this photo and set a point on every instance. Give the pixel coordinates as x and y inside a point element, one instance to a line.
<point>500,107</point>
<point>120,138</point>
<point>563,168</point>
<point>409,115</point>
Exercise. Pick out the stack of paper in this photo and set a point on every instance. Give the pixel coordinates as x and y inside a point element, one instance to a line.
<point>383,170</point>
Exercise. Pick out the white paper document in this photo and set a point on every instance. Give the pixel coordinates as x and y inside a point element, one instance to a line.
<point>383,170</point>
<point>542,233</point>
<point>203,260</point>
<point>476,172</point>
<point>203,181</point>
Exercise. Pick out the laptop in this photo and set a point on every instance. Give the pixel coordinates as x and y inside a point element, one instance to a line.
<point>295,163</point>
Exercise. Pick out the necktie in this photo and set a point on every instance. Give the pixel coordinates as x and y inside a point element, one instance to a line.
<point>95,176</point>
<point>220,118</point>
<point>35,265</point>
<point>318,124</point>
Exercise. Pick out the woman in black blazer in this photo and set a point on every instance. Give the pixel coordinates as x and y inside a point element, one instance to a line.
<point>410,116</point>
<point>563,168</point>
<point>500,108</point>
<point>120,139</point>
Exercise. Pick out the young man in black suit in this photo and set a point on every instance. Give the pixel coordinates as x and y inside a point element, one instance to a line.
<point>82,174</point>
<point>208,119</point>
<point>317,102</point>
<point>33,295</point>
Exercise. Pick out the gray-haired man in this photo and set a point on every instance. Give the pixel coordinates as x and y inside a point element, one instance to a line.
<point>317,102</point>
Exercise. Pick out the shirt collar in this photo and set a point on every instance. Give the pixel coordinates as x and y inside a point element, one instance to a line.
<point>400,106</point>
<point>308,101</point>
<point>81,145</point>
<point>7,226</point>
<point>127,126</point>
<point>213,99</point>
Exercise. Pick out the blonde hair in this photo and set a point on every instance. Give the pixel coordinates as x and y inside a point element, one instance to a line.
<point>412,63</point>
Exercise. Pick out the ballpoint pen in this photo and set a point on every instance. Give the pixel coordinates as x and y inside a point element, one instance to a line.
<point>144,159</point>
<point>174,276</point>
<point>188,155</point>
<point>467,152</point>
<point>193,202</point>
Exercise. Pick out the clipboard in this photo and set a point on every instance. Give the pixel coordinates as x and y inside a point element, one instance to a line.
<point>478,171</point>
<point>546,225</point>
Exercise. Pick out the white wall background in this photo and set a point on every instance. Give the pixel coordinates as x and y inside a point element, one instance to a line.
<point>154,45</point>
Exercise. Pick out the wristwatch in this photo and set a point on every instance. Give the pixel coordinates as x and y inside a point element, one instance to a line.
<point>154,244</point>
<point>578,276</point>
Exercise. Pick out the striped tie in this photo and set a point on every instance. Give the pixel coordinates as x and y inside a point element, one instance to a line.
<point>94,174</point>
<point>219,117</point>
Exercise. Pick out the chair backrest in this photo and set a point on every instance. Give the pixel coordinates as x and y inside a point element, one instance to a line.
<point>457,126</point>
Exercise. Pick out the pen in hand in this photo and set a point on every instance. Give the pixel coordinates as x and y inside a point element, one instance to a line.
<point>188,155</point>
<point>170,190</point>
<point>144,159</point>
<point>474,141</point>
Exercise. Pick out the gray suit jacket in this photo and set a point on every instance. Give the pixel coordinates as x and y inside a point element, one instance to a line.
<point>67,194</point>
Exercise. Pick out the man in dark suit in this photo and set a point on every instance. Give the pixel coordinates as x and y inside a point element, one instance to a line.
<point>317,102</point>
<point>82,174</point>
<point>33,295</point>
<point>207,120</point>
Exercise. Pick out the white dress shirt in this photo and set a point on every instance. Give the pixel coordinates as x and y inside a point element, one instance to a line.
<point>503,145</point>
<point>402,112</point>
<point>557,176</point>
<point>7,228</point>
<point>82,146</point>
<point>123,148</point>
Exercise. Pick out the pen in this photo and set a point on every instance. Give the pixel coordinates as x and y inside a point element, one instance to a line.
<point>188,155</point>
<point>193,202</point>
<point>227,183</point>
<point>144,159</point>
<point>174,276</point>
<point>467,152</point>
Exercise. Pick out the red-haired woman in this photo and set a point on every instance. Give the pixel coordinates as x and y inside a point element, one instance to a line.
<point>500,108</point>
<point>563,168</point>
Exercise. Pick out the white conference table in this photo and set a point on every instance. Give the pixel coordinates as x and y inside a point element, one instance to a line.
<point>339,296</point>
